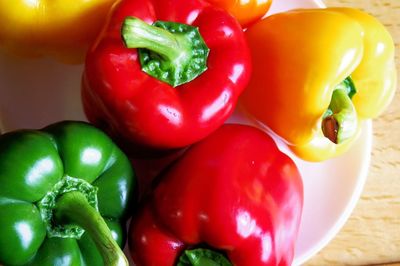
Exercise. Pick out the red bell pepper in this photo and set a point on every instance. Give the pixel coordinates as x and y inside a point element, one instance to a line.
<point>165,85</point>
<point>231,197</point>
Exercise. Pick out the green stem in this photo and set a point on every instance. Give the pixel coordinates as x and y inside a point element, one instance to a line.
<point>202,257</point>
<point>340,121</point>
<point>73,207</point>
<point>171,52</point>
<point>138,34</point>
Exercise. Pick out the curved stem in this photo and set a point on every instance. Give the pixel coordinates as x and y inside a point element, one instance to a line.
<point>169,51</point>
<point>340,122</point>
<point>73,207</point>
<point>138,34</point>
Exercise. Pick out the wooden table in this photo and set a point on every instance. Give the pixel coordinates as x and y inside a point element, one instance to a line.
<point>372,234</point>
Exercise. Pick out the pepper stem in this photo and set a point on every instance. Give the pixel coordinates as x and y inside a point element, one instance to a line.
<point>73,207</point>
<point>340,120</point>
<point>202,257</point>
<point>138,34</point>
<point>171,52</point>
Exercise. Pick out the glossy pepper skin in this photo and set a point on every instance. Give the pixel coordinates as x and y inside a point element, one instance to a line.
<point>299,59</point>
<point>53,183</point>
<point>62,29</point>
<point>246,12</point>
<point>233,192</point>
<point>140,110</point>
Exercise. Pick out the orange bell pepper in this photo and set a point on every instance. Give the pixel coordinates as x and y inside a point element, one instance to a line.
<point>316,74</point>
<point>245,12</point>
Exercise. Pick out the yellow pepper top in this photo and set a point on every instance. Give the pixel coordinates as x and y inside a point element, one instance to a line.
<point>301,59</point>
<point>60,28</point>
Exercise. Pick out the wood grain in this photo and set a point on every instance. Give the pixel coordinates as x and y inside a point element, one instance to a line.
<point>372,234</point>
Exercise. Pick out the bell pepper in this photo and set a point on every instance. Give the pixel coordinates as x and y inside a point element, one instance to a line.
<point>63,29</point>
<point>246,12</point>
<point>65,193</point>
<point>232,198</point>
<point>169,84</point>
<point>317,74</point>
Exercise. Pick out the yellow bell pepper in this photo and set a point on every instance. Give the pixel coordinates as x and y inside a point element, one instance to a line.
<point>307,65</point>
<point>60,28</point>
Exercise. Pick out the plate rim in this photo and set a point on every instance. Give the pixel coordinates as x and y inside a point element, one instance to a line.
<point>351,204</point>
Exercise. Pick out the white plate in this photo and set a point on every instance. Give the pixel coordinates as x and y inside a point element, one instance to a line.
<point>35,93</point>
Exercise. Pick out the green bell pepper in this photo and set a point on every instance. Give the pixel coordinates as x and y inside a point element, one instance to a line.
<point>65,192</point>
